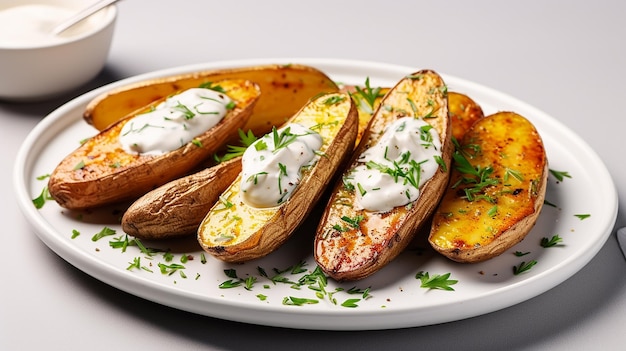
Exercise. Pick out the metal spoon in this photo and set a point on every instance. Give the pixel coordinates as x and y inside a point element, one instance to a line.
<point>81,15</point>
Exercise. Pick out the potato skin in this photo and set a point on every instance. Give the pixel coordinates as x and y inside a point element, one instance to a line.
<point>106,174</point>
<point>256,232</point>
<point>356,253</point>
<point>483,225</point>
<point>285,89</point>
<point>176,209</point>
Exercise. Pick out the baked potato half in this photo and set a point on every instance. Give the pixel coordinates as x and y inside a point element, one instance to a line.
<point>176,209</point>
<point>262,208</point>
<point>464,111</point>
<point>366,225</point>
<point>285,89</point>
<point>367,100</point>
<point>101,171</point>
<point>496,190</point>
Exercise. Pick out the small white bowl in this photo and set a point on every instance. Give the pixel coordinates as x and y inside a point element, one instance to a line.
<point>32,68</point>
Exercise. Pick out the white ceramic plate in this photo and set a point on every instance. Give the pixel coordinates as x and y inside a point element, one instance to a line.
<point>395,297</point>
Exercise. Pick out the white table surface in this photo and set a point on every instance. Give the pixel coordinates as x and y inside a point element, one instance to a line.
<point>565,58</point>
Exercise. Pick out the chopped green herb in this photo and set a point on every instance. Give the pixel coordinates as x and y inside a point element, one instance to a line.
<point>298,301</point>
<point>229,284</point>
<point>135,264</point>
<point>353,222</point>
<point>315,281</point>
<point>249,282</point>
<point>365,294</point>
<point>439,281</point>
<point>441,163</point>
<point>415,76</point>
<point>260,145</point>
<point>170,269</point>
<point>121,243</point>
<point>106,231</point>
<point>298,268</point>
<point>413,107</point>
<point>282,139</point>
<point>234,151</point>
<point>79,165</point>
<point>513,173</point>
<point>362,190</point>
<point>352,303</point>
<point>231,273</point>
<point>43,176</point>
<point>209,85</point>
<point>40,200</point>
<point>582,216</point>
<point>334,100</point>
<point>339,228</point>
<point>185,110</point>
<point>261,271</point>
<point>143,249</point>
<point>548,203</point>
<point>553,241</point>
<point>523,267</point>
<point>559,175</point>
<point>369,95</point>
<point>493,211</point>
<point>168,256</point>
<point>476,178</point>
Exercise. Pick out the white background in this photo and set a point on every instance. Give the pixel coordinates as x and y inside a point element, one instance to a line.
<point>565,58</point>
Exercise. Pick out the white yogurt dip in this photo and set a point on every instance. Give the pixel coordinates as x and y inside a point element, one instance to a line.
<point>31,25</point>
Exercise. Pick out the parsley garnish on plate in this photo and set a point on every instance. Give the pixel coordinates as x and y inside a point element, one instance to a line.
<point>315,281</point>
<point>523,267</point>
<point>439,281</point>
<point>559,175</point>
<point>550,242</point>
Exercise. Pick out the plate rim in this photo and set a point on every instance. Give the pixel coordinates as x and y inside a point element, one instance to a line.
<point>317,319</point>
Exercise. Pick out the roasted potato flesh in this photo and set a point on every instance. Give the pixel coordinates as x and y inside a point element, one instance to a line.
<point>367,100</point>
<point>100,172</point>
<point>234,231</point>
<point>285,89</point>
<point>496,189</point>
<point>464,111</point>
<point>352,244</point>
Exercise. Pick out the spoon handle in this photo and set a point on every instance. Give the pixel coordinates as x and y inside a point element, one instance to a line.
<point>95,7</point>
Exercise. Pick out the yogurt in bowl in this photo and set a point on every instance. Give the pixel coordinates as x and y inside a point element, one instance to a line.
<point>35,64</point>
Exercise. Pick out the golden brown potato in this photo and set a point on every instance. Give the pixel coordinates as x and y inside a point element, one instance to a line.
<point>100,172</point>
<point>284,90</point>
<point>235,231</point>
<point>352,242</point>
<point>176,209</point>
<point>367,99</point>
<point>496,190</point>
<point>463,110</point>
<point>463,113</point>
